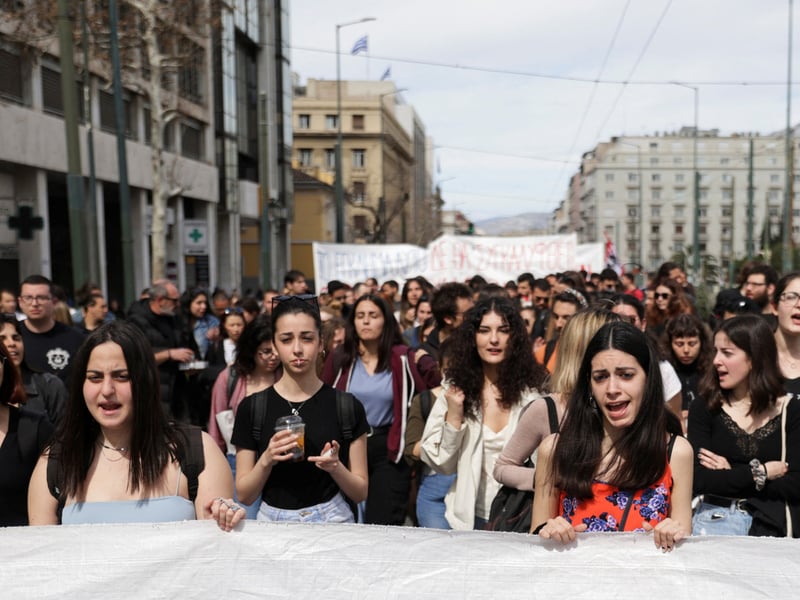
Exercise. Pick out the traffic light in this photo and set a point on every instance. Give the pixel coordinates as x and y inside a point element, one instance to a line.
<point>471,228</point>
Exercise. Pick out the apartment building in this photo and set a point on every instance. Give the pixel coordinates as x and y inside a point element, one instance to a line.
<point>639,191</point>
<point>386,171</point>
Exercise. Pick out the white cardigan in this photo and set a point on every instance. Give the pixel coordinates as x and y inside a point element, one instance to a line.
<point>448,450</point>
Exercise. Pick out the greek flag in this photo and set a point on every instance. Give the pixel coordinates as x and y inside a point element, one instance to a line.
<point>360,45</point>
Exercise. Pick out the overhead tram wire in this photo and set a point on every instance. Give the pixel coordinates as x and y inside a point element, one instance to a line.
<point>429,63</point>
<point>595,85</point>
<point>509,154</point>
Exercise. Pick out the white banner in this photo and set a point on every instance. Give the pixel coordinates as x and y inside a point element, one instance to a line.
<point>456,258</point>
<point>297,561</point>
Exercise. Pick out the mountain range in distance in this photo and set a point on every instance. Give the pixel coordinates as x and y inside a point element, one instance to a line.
<point>531,223</point>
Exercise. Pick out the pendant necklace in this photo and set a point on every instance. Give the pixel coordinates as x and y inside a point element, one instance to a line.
<point>296,411</point>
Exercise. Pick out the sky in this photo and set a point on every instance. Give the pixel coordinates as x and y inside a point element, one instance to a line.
<point>513,92</point>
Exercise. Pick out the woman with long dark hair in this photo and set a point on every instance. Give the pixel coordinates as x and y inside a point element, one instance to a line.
<point>490,377</point>
<point>746,432</point>
<point>305,477</point>
<point>669,301</point>
<point>24,434</point>
<point>615,466</point>
<point>377,368</point>
<point>200,332</point>
<point>117,458</point>
<point>686,344</point>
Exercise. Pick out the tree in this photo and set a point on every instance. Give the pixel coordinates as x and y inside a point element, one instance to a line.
<point>164,47</point>
<point>706,282</point>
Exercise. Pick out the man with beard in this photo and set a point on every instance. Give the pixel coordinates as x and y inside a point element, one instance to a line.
<point>758,283</point>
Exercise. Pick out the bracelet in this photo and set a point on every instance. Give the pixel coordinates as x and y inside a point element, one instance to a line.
<point>538,528</point>
<point>759,472</point>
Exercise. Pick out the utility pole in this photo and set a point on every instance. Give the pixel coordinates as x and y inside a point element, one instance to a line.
<point>75,192</point>
<point>751,190</point>
<point>788,245</point>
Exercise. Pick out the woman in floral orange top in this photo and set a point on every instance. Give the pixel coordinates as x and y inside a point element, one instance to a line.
<point>619,462</point>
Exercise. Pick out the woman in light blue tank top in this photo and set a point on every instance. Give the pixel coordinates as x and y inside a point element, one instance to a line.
<point>116,458</point>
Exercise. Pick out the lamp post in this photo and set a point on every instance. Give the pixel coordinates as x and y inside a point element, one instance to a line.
<point>382,204</point>
<point>339,183</point>
<point>788,240</point>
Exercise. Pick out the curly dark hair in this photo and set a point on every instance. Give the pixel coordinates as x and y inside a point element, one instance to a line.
<point>255,333</point>
<point>518,371</point>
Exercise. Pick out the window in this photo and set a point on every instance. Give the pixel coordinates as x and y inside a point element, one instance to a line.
<point>679,177</point>
<point>678,246</point>
<point>360,225</point>
<point>727,211</point>
<point>679,211</point>
<point>654,229</point>
<point>656,194</point>
<point>190,72</point>
<point>330,158</point>
<point>304,121</point>
<point>108,118</point>
<point>680,194</point>
<point>724,161</point>
<point>631,229</point>
<point>727,195</point>
<point>727,178</point>
<point>774,178</point>
<point>703,194</point>
<point>774,195</point>
<point>679,229</point>
<point>304,157</point>
<point>653,145</point>
<point>331,122</point>
<point>655,211</point>
<point>359,158</point>
<point>678,160</point>
<point>632,212</point>
<point>358,122</point>
<point>655,177</point>
<point>11,76</point>
<point>359,195</point>
<point>773,211</point>
<point>192,140</point>
<point>653,160</point>
<point>633,194</point>
<point>703,212</point>
<point>633,177</point>
<point>609,195</point>
<point>701,229</point>
<point>52,99</point>
<point>705,179</point>
<point>609,177</point>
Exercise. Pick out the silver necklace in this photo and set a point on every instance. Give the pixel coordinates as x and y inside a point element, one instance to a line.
<point>296,411</point>
<point>121,449</point>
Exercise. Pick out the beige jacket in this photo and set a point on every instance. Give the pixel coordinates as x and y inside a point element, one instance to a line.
<point>448,450</point>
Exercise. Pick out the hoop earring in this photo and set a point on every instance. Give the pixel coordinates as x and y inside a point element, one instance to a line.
<point>592,402</point>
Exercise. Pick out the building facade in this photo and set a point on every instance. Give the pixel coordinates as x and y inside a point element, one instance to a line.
<point>385,170</point>
<point>639,191</point>
<point>214,156</point>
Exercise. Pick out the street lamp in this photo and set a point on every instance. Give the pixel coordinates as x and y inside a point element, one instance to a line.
<point>382,203</point>
<point>339,182</point>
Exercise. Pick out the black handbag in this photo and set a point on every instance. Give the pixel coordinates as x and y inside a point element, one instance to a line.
<point>512,509</point>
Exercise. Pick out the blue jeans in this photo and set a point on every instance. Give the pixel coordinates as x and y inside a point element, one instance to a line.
<point>250,509</point>
<point>335,510</point>
<point>710,519</point>
<point>430,500</point>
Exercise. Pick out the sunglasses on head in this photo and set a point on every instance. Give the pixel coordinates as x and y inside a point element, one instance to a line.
<point>310,299</point>
<point>233,310</point>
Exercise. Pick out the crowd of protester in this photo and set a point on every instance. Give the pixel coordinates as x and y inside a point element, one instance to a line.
<point>609,399</point>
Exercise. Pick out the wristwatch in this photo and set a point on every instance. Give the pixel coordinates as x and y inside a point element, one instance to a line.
<point>759,472</point>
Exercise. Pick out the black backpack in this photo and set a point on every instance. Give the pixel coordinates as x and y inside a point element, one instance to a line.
<point>512,509</point>
<point>190,456</point>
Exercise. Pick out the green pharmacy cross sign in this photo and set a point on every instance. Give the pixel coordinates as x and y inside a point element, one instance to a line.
<point>196,235</point>
<point>25,223</point>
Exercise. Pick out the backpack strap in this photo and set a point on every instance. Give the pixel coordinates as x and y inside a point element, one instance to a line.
<point>28,432</point>
<point>233,379</point>
<point>425,404</point>
<point>258,412</point>
<point>346,412</point>
<point>191,457</point>
<point>670,446</point>
<point>552,414</point>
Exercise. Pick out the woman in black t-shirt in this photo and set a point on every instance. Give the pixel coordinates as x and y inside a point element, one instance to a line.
<point>334,465</point>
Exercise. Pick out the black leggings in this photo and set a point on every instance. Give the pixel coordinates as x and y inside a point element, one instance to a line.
<point>389,482</point>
